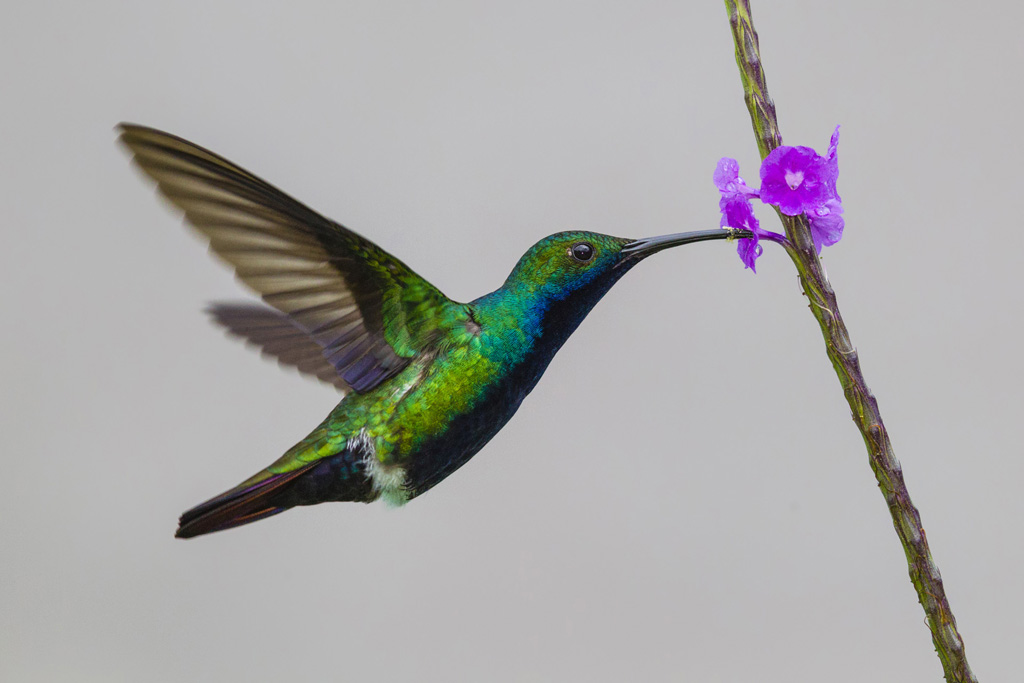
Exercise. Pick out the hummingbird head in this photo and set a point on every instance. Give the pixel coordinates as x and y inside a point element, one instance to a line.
<point>560,279</point>
<point>565,263</point>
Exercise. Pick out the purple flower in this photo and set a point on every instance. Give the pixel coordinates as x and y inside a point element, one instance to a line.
<point>736,209</point>
<point>799,180</point>
<point>794,178</point>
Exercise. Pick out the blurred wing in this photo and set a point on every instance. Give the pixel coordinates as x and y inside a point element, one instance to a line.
<point>278,337</point>
<point>366,309</point>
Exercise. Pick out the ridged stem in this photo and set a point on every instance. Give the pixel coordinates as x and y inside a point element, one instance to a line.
<point>924,573</point>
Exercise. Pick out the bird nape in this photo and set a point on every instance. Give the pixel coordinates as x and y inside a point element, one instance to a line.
<point>427,381</point>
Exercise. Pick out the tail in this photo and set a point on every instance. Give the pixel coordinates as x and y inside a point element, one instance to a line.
<point>247,502</point>
<point>335,478</point>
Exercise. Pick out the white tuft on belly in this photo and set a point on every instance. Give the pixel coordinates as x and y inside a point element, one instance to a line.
<point>388,480</point>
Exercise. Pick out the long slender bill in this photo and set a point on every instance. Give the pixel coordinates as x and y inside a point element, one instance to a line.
<point>649,245</point>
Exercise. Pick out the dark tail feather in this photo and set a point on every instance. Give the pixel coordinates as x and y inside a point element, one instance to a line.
<point>241,505</point>
<point>339,477</point>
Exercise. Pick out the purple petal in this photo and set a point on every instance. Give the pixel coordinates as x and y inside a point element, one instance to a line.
<point>833,144</point>
<point>827,224</point>
<point>727,171</point>
<point>749,250</point>
<point>737,213</point>
<point>727,179</point>
<point>831,172</point>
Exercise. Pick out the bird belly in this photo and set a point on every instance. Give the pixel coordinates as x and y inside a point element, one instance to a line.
<point>468,429</point>
<point>437,415</point>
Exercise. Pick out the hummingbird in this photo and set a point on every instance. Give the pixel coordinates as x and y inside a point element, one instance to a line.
<point>426,381</point>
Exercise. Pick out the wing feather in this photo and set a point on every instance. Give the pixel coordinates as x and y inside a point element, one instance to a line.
<point>277,336</point>
<point>368,312</point>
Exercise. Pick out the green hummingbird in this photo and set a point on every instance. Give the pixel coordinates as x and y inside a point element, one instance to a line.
<point>427,381</point>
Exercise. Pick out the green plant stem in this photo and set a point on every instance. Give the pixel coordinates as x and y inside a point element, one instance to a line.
<point>923,572</point>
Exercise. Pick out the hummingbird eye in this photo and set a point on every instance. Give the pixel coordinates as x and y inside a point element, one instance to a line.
<point>582,252</point>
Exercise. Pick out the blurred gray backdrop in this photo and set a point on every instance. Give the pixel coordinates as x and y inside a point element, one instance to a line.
<point>683,497</point>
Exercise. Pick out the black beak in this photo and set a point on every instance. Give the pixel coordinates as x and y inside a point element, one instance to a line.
<point>642,248</point>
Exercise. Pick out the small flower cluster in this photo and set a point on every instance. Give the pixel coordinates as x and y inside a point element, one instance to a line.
<point>796,179</point>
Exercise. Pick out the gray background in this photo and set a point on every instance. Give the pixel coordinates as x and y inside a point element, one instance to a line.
<point>683,497</point>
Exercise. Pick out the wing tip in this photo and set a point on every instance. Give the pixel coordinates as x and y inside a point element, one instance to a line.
<point>128,134</point>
